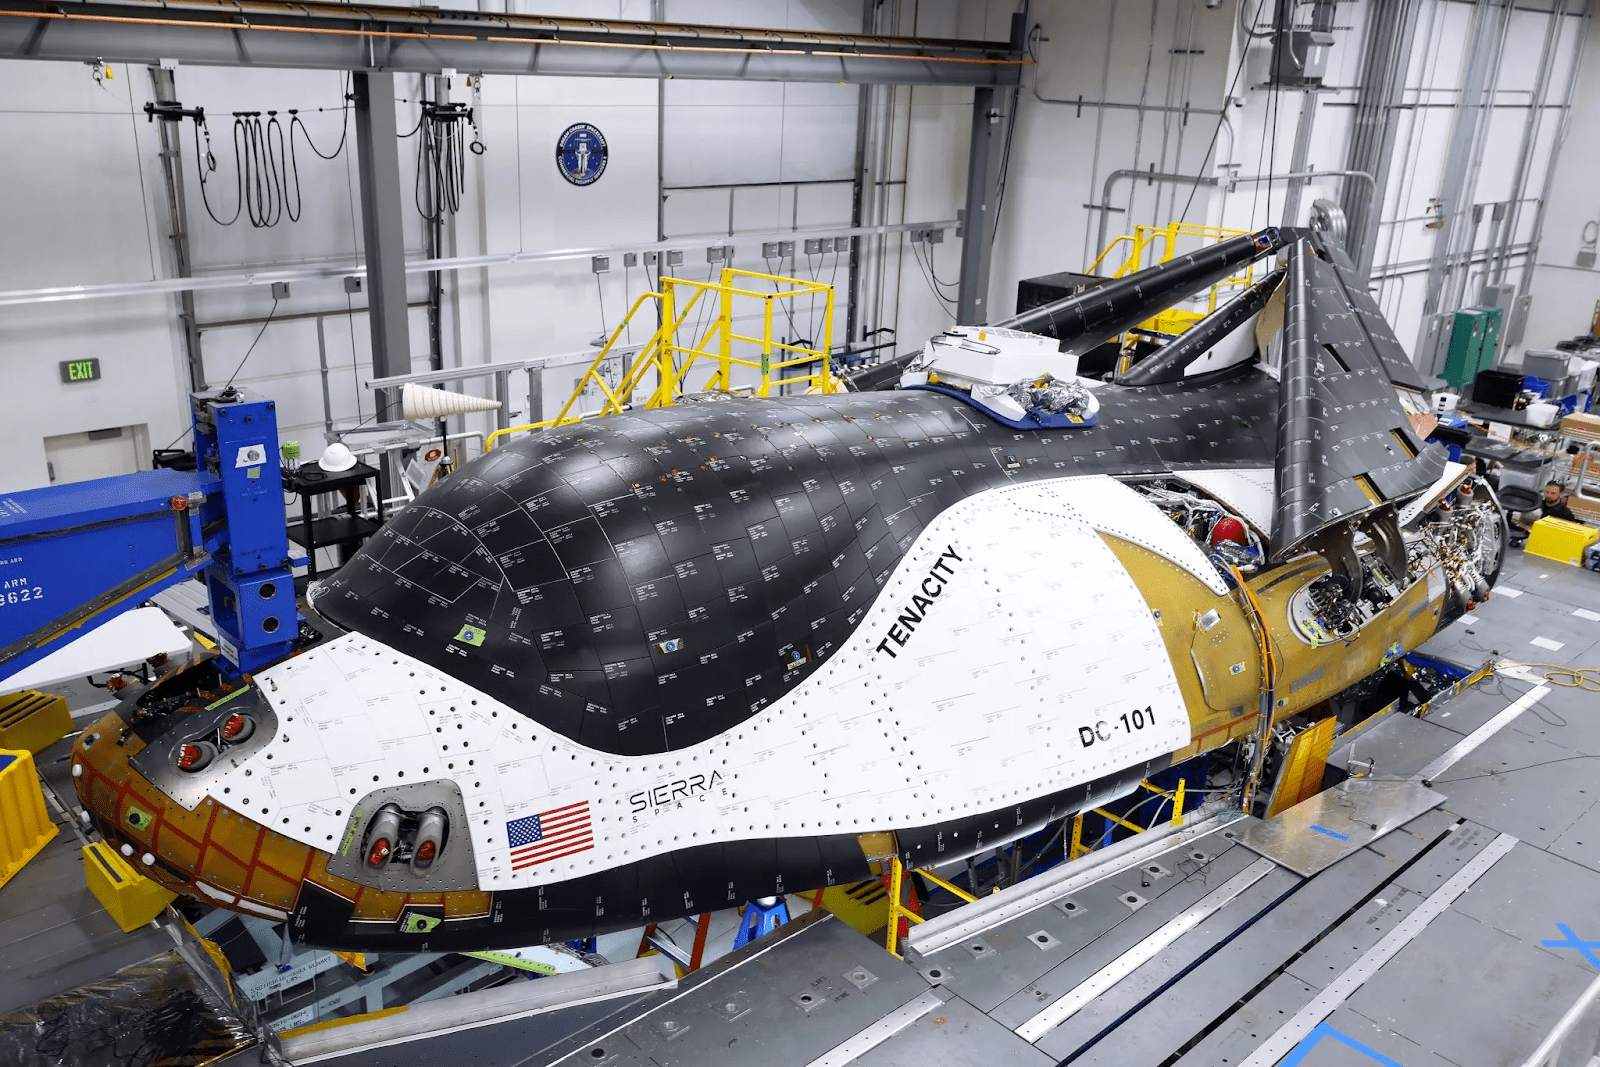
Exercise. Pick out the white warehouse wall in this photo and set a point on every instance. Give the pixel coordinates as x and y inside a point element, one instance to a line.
<point>76,212</point>
<point>1172,52</point>
<point>89,206</point>
<point>1564,293</point>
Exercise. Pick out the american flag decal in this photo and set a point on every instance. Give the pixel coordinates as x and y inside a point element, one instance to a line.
<point>549,835</point>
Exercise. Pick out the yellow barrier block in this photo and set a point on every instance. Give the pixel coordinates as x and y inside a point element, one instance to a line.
<point>33,720</point>
<point>25,825</point>
<point>131,898</point>
<point>863,906</point>
<point>1560,540</point>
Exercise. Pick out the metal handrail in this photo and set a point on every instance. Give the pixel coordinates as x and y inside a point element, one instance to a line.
<point>1076,847</point>
<point>662,352</point>
<point>1548,1054</point>
<point>1107,252</point>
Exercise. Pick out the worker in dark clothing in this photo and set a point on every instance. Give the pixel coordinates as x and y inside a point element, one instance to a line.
<point>1553,506</point>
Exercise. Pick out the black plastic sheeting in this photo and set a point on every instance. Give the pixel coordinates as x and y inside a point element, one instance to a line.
<point>158,1013</point>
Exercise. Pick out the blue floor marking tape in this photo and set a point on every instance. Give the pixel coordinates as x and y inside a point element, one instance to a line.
<point>1322,1030</point>
<point>1330,833</point>
<point>1590,949</point>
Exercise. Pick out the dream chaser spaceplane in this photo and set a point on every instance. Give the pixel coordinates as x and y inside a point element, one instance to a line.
<point>664,662</point>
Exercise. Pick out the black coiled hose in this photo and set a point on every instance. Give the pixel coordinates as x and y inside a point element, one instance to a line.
<point>266,167</point>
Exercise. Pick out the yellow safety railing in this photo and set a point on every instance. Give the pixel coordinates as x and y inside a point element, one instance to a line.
<point>898,910</point>
<point>669,357</point>
<point>1078,848</point>
<point>1149,245</point>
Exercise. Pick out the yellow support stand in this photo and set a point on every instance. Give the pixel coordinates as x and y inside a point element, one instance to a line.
<point>25,826</point>
<point>131,898</point>
<point>33,720</point>
<point>1076,847</point>
<point>898,911</point>
<point>863,906</point>
<point>1560,540</point>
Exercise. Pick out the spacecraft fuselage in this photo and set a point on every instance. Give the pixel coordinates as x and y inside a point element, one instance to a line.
<point>664,662</point>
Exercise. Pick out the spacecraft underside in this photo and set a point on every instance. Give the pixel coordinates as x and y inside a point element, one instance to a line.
<point>662,662</point>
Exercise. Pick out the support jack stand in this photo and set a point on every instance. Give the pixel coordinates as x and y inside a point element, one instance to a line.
<point>760,917</point>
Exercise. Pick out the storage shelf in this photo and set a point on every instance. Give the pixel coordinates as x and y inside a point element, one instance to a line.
<point>337,530</point>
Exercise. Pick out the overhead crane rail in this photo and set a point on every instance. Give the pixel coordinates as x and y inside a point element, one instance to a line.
<point>272,33</point>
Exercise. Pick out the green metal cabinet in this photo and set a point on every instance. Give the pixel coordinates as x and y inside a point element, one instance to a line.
<point>1474,339</point>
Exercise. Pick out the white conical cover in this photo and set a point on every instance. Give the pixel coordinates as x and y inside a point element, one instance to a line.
<point>422,402</point>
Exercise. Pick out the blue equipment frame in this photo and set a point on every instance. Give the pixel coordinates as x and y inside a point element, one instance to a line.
<point>75,556</point>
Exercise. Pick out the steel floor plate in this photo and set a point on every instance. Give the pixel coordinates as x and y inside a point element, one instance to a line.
<point>1321,830</point>
<point>56,935</point>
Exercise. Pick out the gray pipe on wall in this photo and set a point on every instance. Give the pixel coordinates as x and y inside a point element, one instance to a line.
<point>1229,181</point>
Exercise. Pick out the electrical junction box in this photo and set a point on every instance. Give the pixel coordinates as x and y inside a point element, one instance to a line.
<point>813,247</point>
<point>1494,319</point>
<point>1517,321</point>
<point>988,356</point>
<point>1300,57</point>
<point>1497,295</point>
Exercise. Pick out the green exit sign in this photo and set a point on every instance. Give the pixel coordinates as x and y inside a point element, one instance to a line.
<point>80,370</point>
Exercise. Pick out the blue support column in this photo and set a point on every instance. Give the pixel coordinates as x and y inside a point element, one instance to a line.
<point>249,580</point>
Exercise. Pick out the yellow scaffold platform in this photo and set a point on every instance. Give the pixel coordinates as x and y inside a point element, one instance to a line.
<point>669,364</point>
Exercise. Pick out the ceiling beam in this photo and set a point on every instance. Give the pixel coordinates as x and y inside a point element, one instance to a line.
<point>268,33</point>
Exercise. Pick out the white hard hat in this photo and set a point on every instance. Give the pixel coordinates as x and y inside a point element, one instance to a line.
<point>337,457</point>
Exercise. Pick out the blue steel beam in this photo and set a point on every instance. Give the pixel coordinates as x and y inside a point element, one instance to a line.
<point>75,556</point>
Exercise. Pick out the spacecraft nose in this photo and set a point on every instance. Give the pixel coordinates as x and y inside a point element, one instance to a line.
<point>632,584</point>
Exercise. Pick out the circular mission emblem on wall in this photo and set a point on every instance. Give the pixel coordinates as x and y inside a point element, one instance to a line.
<point>581,154</point>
